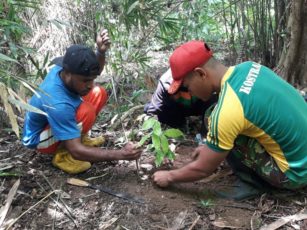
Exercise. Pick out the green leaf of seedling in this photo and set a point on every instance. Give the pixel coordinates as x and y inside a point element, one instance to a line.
<point>159,158</point>
<point>164,144</point>
<point>144,139</point>
<point>150,147</point>
<point>173,133</point>
<point>149,123</point>
<point>157,128</point>
<point>3,174</point>
<point>207,203</point>
<point>170,155</point>
<point>156,142</point>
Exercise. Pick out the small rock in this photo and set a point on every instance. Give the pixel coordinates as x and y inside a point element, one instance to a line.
<point>212,217</point>
<point>34,192</point>
<point>65,195</point>
<point>31,171</point>
<point>144,177</point>
<point>155,218</point>
<point>147,167</point>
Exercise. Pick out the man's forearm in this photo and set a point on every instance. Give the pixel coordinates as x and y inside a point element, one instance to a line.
<point>101,57</point>
<point>95,154</point>
<point>188,173</point>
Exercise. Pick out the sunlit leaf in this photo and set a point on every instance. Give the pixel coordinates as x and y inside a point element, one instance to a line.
<point>26,106</point>
<point>159,158</point>
<point>14,95</point>
<point>157,128</point>
<point>170,155</point>
<point>164,144</point>
<point>148,124</point>
<point>30,88</point>
<point>144,139</point>
<point>8,109</point>
<point>132,7</point>
<point>7,58</point>
<point>156,142</point>
<point>173,133</point>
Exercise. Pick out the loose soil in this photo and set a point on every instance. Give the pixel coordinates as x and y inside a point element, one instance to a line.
<point>182,206</point>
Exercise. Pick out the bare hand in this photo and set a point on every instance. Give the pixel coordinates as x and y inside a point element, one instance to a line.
<point>103,41</point>
<point>162,178</point>
<point>131,152</point>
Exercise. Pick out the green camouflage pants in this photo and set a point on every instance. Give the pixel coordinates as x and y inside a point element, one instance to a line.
<point>249,156</point>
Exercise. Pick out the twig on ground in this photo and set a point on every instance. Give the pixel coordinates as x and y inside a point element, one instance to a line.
<point>255,214</point>
<point>69,213</point>
<point>96,177</point>
<point>284,220</point>
<point>4,151</point>
<point>178,223</point>
<point>137,168</point>
<point>120,121</point>
<point>55,211</point>
<point>10,196</point>
<point>125,115</point>
<point>240,207</point>
<point>194,223</point>
<point>217,175</point>
<point>5,167</point>
<point>159,227</point>
<point>29,209</point>
<point>10,158</point>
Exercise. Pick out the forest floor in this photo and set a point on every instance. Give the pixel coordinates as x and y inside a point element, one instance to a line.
<point>44,200</point>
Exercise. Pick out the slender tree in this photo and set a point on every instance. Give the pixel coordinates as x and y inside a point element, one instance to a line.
<point>292,65</point>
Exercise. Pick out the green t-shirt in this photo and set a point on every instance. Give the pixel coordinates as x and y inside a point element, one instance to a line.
<point>256,102</point>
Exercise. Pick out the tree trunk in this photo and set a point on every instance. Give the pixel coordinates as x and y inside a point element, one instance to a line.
<point>292,65</point>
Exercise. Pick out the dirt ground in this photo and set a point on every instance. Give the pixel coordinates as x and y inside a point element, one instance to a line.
<point>45,201</point>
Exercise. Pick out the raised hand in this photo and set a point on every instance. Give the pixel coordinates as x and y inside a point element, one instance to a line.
<point>103,41</point>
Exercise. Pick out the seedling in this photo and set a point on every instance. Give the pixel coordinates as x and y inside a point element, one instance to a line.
<point>159,138</point>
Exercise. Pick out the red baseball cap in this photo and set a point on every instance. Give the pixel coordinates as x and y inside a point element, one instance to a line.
<point>186,58</point>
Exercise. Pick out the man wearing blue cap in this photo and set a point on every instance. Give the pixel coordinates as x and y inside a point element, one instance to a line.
<point>173,109</point>
<point>259,123</point>
<point>72,102</point>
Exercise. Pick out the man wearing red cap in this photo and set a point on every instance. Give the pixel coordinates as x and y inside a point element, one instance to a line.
<point>249,126</point>
<point>70,103</point>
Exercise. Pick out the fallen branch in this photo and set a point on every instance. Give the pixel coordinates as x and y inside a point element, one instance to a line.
<point>125,115</point>
<point>33,206</point>
<point>69,213</point>
<point>284,220</point>
<point>10,196</point>
<point>194,223</point>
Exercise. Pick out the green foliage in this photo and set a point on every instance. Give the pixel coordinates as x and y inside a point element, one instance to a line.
<point>207,203</point>
<point>159,139</point>
<point>12,30</point>
<point>6,174</point>
<point>138,27</point>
